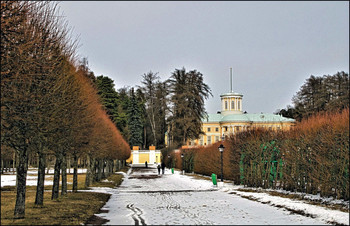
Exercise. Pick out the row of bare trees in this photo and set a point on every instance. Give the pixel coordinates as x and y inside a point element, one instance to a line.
<point>49,105</point>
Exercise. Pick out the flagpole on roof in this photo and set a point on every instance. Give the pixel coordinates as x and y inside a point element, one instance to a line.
<point>231,80</point>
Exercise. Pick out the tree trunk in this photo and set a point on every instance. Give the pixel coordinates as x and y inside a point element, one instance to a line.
<point>109,167</point>
<point>104,169</point>
<point>75,173</point>
<point>145,137</point>
<point>113,166</point>
<point>48,164</point>
<point>106,173</point>
<point>116,165</point>
<point>39,198</point>
<point>56,177</point>
<point>14,163</point>
<point>99,169</point>
<point>68,163</point>
<point>21,183</point>
<point>93,170</point>
<point>88,172</point>
<point>64,175</point>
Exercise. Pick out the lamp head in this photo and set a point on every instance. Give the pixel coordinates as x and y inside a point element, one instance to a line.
<point>221,148</point>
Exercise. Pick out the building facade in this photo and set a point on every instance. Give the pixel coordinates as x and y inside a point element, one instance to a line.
<point>139,157</point>
<point>231,119</point>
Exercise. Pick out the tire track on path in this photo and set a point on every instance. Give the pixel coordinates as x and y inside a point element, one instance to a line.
<point>137,215</point>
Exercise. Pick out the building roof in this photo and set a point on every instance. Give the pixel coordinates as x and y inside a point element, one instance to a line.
<point>253,118</point>
<point>231,94</point>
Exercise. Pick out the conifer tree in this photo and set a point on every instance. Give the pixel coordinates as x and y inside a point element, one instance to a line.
<point>134,121</point>
<point>188,94</point>
<point>122,108</point>
<point>108,95</point>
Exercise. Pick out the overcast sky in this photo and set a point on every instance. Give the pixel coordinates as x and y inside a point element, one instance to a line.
<point>273,47</point>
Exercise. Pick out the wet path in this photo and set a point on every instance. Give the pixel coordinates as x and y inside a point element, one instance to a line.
<point>144,198</point>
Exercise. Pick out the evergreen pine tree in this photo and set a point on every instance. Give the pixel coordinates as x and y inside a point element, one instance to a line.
<point>188,94</point>
<point>134,121</point>
<point>109,96</point>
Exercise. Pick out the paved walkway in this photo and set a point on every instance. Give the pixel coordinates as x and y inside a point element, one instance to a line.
<point>146,198</point>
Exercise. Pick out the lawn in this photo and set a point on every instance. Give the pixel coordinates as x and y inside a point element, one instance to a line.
<point>72,209</point>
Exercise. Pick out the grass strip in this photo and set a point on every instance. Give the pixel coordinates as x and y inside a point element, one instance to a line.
<point>72,209</point>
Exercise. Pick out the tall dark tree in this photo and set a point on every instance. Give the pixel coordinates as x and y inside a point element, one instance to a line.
<point>188,92</point>
<point>108,95</point>
<point>122,112</point>
<point>161,109</point>
<point>140,98</point>
<point>134,121</point>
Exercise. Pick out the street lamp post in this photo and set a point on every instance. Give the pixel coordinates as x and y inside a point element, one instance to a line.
<point>221,149</point>
<point>169,163</point>
<point>182,158</point>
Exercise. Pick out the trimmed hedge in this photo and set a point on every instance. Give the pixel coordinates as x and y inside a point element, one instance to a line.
<point>313,157</point>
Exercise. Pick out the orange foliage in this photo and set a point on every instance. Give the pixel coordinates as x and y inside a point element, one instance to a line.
<point>312,157</point>
<point>105,140</point>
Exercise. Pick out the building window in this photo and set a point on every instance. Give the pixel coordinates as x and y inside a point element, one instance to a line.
<point>216,138</point>
<point>208,129</point>
<point>233,105</point>
<point>201,140</point>
<point>209,139</point>
<point>239,105</point>
<point>225,105</point>
<point>217,129</point>
<point>225,128</point>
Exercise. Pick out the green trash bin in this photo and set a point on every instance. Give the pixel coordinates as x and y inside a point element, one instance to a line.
<point>172,170</point>
<point>213,177</point>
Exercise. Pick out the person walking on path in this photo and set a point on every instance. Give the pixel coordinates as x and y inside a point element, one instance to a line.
<point>163,167</point>
<point>158,169</point>
<point>146,164</point>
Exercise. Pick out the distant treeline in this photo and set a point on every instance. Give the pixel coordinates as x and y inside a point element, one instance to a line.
<point>313,157</point>
<point>145,113</point>
<point>319,93</point>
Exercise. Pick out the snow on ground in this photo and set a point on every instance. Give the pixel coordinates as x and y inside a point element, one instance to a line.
<point>146,198</point>
<point>9,179</point>
<point>318,212</point>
